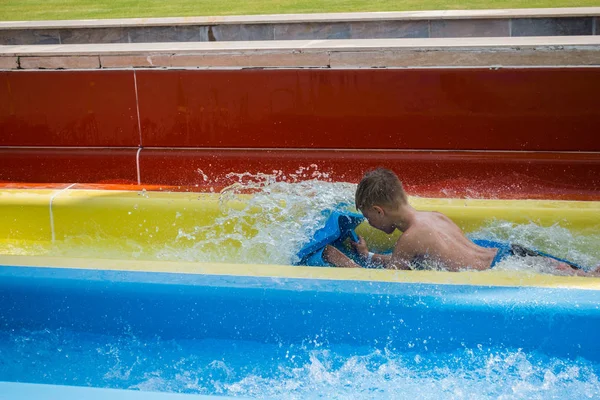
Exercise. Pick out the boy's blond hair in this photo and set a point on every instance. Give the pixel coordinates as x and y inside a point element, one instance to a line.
<point>380,187</point>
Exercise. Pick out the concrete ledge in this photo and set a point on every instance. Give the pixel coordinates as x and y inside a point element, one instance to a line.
<point>530,51</point>
<point>423,24</point>
<point>318,17</point>
<point>279,59</point>
<point>9,62</point>
<point>556,43</point>
<point>60,62</point>
<point>391,59</point>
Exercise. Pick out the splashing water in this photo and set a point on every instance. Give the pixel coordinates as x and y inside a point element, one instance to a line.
<point>289,214</point>
<point>280,216</point>
<point>243,368</point>
<point>555,240</point>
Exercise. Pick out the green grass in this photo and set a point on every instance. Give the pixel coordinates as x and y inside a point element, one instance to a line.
<point>19,10</point>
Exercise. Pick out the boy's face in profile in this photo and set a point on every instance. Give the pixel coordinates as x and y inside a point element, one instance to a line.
<point>378,219</point>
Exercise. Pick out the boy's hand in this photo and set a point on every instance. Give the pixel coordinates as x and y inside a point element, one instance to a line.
<point>360,247</point>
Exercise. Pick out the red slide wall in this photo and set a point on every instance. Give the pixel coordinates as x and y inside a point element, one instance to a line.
<point>448,132</point>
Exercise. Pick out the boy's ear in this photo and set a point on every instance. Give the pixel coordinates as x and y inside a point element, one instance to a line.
<point>378,210</point>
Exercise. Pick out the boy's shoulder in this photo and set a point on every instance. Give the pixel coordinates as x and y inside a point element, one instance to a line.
<point>409,238</point>
<point>416,238</point>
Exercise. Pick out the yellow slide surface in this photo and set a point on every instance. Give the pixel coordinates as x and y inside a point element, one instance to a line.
<point>31,220</point>
<point>155,217</point>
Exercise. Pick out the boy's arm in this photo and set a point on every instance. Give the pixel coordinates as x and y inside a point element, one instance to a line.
<point>340,260</point>
<point>402,255</point>
<point>394,261</point>
<point>381,260</point>
<point>337,258</point>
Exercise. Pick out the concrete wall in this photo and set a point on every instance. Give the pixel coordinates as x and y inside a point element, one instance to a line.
<point>368,53</point>
<point>427,24</point>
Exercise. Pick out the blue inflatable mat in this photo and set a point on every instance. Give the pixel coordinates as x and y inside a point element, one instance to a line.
<point>506,249</point>
<point>338,227</point>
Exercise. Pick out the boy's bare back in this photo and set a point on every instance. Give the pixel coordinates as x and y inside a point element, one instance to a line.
<point>433,236</point>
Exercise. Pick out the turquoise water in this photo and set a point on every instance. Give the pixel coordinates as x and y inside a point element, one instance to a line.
<point>309,370</point>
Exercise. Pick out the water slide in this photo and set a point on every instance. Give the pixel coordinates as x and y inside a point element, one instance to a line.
<point>151,218</point>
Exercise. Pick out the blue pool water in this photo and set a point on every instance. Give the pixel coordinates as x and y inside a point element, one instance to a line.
<point>252,369</point>
<point>296,338</point>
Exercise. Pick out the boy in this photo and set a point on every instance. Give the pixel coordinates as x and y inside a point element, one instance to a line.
<point>426,235</point>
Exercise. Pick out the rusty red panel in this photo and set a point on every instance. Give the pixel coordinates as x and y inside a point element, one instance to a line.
<point>508,175</point>
<point>47,165</point>
<point>568,176</point>
<point>550,109</point>
<point>68,108</point>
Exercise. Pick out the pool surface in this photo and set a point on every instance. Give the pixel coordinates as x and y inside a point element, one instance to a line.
<point>282,337</point>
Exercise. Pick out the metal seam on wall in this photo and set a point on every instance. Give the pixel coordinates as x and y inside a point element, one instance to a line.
<point>304,149</point>
<point>137,165</point>
<point>137,105</point>
<point>54,195</point>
